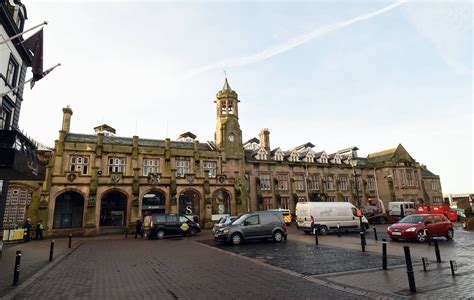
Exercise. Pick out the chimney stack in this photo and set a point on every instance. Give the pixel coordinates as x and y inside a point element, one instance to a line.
<point>264,137</point>
<point>67,113</point>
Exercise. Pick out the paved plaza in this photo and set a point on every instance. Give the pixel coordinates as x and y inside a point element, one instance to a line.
<point>196,268</point>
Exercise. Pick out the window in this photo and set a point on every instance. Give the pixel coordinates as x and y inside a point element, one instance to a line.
<point>12,72</point>
<point>337,159</point>
<point>403,177</point>
<point>285,203</point>
<point>331,199</point>
<point>150,166</point>
<point>79,164</point>
<point>293,156</point>
<point>314,182</point>
<point>343,183</point>
<point>434,185</point>
<point>5,118</point>
<point>252,220</point>
<point>116,165</point>
<point>299,182</point>
<point>324,158</point>
<point>265,184</point>
<point>212,167</point>
<point>330,183</point>
<point>182,167</point>
<point>278,155</point>
<point>437,200</point>
<point>262,154</point>
<point>282,182</point>
<point>267,203</point>
<point>370,184</point>
<point>309,157</point>
<point>346,199</point>
<point>409,175</point>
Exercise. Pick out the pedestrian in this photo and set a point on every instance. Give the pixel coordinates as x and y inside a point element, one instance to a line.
<point>39,230</point>
<point>138,228</point>
<point>27,229</point>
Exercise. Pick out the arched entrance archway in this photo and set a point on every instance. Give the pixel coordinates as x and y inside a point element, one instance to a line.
<point>113,209</point>
<point>153,202</point>
<point>189,203</point>
<point>68,210</point>
<point>220,204</point>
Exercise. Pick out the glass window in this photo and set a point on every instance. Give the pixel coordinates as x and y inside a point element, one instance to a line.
<point>171,218</point>
<point>267,203</point>
<point>282,182</point>
<point>299,182</point>
<point>79,164</point>
<point>330,183</point>
<point>182,167</point>
<point>160,218</point>
<point>150,166</point>
<point>343,183</point>
<point>252,220</point>
<point>183,219</point>
<point>370,184</point>
<point>265,184</point>
<point>116,165</point>
<point>212,167</point>
<point>314,183</point>
<point>12,72</point>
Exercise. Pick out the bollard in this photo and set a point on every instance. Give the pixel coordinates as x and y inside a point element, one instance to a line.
<point>424,260</point>
<point>338,230</point>
<point>438,255</point>
<point>384,254</point>
<point>70,240</point>
<point>454,266</point>
<point>316,240</point>
<point>16,270</point>
<point>51,251</point>
<point>410,273</point>
<point>362,241</point>
<point>375,234</point>
<point>126,233</point>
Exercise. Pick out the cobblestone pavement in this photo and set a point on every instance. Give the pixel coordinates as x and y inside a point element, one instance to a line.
<point>167,269</point>
<point>308,259</point>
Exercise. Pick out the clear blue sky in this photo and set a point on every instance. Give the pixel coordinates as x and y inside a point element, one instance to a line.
<point>309,71</point>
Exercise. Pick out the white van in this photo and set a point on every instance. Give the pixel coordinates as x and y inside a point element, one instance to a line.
<point>327,215</point>
<point>401,208</point>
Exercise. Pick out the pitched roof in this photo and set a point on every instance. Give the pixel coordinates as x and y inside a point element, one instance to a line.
<point>427,173</point>
<point>226,86</point>
<point>252,140</point>
<point>187,134</point>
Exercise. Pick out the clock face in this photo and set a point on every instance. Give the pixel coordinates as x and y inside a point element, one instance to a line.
<point>231,137</point>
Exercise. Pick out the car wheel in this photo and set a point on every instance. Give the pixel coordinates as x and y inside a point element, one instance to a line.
<point>382,220</point>
<point>323,230</point>
<point>160,234</point>
<point>450,234</point>
<point>277,236</point>
<point>192,231</point>
<point>236,239</point>
<point>421,237</point>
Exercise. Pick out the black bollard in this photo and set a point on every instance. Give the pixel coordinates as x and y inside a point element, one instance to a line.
<point>316,240</point>
<point>375,234</point>
<point>362,241</point>
<point>454,266</point>
<point>338,230</point>
<point>384,254</point>
<point>70,240</point>
<point>410,273</point>
<point>51,251</point>
<point>126,233</point>
<point>424,260</point>
<point>16,270</point>
<point>438,255</point>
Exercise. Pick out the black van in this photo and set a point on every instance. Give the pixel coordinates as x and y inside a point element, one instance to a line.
<point>160,225</point>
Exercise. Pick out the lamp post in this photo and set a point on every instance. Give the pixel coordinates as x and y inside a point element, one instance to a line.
<point>353,163</point>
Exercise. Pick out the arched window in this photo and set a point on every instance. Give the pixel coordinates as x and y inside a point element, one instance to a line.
<point>68,210</point>
<point>221,203</point>
<point>113,209</point>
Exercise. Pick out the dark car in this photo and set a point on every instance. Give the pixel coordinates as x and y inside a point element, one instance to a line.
<point>224,221</point>
<point>250,226</point>
<point>421,227</point>
<point>161,225</point>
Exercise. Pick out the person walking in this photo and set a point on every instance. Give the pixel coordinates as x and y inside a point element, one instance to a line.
<point>39,230</point>
<point>138,228</point>
<point>27,228</point>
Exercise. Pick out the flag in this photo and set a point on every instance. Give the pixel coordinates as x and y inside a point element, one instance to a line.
<point>35,44</point>
<point>32,83</point>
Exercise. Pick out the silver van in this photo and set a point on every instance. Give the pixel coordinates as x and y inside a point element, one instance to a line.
<point>251,226</point>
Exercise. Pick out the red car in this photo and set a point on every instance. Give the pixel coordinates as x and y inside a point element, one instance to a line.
<point>420,227</point>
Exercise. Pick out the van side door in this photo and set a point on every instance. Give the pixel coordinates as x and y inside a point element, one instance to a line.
<point>252,226</point>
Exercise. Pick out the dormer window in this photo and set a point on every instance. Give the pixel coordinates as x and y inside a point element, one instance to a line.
<point>293,156</point>
<point>262,154</point>
<point>309,157</point>
<point>278,155</point>
<point>337,159</point>
<point>324,158</point>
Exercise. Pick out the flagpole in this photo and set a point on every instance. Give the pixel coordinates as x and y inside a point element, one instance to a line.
<point>22,84</point>
<point>21,33</point>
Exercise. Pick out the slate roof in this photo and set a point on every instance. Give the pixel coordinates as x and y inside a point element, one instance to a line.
<point>427,173</point>
<point>318,154</point>
<point>117,140</point>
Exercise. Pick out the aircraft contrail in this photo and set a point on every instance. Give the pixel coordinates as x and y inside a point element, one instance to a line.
<point>297,41</point>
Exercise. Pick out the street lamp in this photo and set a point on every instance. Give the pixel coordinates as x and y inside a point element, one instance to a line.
<point>353,163</point>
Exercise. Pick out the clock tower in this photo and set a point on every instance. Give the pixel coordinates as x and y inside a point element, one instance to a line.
<point>228,135</point>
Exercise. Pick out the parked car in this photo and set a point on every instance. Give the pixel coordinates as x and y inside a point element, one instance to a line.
<point>421,227</point>
<point>327,215</point>
<point>161,225</point>
<point>257,225</point>
<point>222,222</point>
